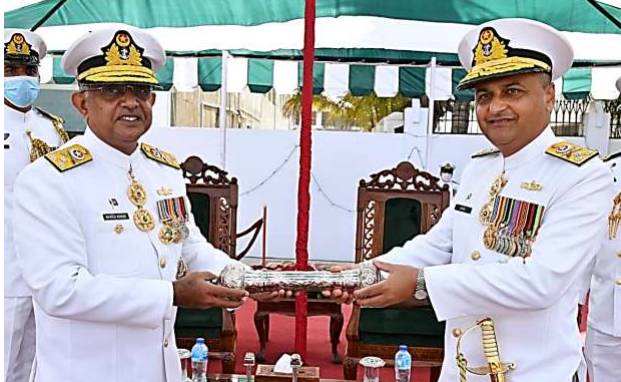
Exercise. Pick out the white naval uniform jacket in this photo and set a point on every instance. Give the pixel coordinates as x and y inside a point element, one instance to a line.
<point>533,302</point>
<point>103,300</point>
<point>16,157</point>
<point>605,297</point>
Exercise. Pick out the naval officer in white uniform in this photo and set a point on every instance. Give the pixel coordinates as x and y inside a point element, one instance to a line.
<point>521,234</point>
<point>603,340</point>
<point>102,248</point>
<point>29,133</point>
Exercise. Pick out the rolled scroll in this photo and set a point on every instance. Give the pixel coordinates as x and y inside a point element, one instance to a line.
<point>237,276</point>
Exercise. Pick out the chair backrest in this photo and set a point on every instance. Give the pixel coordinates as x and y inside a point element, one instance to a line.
<point>213,198</point>
<point>394,206</point>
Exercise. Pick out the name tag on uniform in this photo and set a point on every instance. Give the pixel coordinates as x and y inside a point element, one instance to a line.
<point>462,208</point>
<point>116,216</point>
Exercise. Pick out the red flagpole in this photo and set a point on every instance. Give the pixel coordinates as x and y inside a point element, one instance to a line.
<point>301,245</point>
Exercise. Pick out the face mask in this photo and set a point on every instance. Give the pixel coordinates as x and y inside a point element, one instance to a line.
<point>21,91</point>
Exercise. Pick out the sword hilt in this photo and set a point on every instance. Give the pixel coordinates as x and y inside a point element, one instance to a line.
<point>495,368</point>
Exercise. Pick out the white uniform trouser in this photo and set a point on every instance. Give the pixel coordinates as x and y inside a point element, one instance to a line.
<point>603,356</point>
<point>19,338</point>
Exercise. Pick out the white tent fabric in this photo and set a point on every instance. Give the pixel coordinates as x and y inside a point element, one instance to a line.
<point>614,3</point>
<point>336,81</point>
<point>185,76</point>
<point>386,82</point>
<point>442,84</point>
<point>342,32</point>
<point>285,77</point>
<point>603,83</point>
<point>236,74</point>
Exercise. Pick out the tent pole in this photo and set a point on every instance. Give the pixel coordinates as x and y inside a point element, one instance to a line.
<point>48,15</point>
<point>301,244</point>
<point>430,95</point>
<point>604,12</point>
<point>222,114</point>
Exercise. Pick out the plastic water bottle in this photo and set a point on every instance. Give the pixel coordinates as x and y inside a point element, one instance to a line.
<point>403,364</point>
<point>199,361</point>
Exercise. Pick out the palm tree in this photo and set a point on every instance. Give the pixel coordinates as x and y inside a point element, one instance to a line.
<point>364,112</point>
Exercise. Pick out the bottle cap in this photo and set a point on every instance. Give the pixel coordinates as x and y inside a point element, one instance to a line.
<point>403,347</point>
<point>200,340</point>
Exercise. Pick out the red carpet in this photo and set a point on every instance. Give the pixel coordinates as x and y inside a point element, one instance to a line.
<point>282,331</point>
<point>281,340</point>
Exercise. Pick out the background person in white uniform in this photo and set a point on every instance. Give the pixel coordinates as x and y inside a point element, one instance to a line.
<point>603,341</point>
<point>28,133</point>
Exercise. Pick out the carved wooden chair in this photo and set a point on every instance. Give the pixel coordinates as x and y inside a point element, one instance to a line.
<point>213,198</point>
<point>394,206</point>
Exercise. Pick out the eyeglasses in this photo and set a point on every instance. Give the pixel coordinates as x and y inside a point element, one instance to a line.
<point>112,92</point>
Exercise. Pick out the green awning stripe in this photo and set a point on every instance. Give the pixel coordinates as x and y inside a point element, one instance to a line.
<point>210,73</point>
<point>318,77</point>
<point>577,83</point>
<point>59,75</point>
<point>260,75</point>
<point>165,74</point>
<point>411,82</point>
<point>361,79</point>
<point>460,95</point>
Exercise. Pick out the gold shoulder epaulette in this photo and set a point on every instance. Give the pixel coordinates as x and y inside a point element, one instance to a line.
<point>69,157</point>
<point>485,152</point>
<point>611,156</point>
<point>572,153</point>
<point>158,155</point>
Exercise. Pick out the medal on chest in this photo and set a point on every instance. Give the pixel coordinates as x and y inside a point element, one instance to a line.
<point>511,225</point>
<point>138,196</point>
<point>174,215</point>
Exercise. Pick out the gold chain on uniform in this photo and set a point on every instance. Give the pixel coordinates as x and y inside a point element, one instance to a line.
<point>485,216</point>
<point>615,217</point>
<point>138,196</point>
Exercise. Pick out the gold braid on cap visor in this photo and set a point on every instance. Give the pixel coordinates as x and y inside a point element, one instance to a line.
<point>504,65</point>
<point>119,73</point>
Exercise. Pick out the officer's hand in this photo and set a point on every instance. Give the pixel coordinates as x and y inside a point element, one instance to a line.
<point>399,287</point>
<point>339,295</point>
<point>196,291</point>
